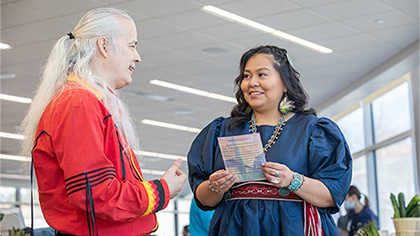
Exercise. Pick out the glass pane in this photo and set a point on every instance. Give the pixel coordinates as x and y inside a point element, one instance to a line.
<point>352,126</point>
<point>39,221</point>
<point>183,220</point>
<point>391,113</point>
<point>184,205</point>
<point>7,195</point>
<point>166,223</point>
<point>25,196</point>
<point>360,174</point>
<point>394,165</point>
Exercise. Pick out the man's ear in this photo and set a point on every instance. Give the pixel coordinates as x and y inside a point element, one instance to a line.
<point>102,44</point>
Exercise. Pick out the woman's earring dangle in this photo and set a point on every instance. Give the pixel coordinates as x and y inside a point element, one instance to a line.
<point>286,105</point>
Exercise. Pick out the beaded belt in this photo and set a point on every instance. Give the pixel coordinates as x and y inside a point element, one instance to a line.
<point>261,190</point>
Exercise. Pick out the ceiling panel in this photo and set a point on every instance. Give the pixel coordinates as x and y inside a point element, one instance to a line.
<point>153,28</point>
<point>351,42</point>
<point>390,19</point>
<point>181,40</point>
<point>183,20</point>
<point>13,15</point>
<point>351,9</point>
<point>228,31</point>
<point>58,8</point>
<point>256,9</point>
<point>402,36</point>
<point>293,19</point>
<point>159,8</point>
<point>319,32</point>
<point>314,3</point>
<point>52,28</point>
<point>398,4</point>
<point>411,12</point>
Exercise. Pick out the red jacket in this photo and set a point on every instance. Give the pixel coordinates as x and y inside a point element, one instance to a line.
<point>87,182</point>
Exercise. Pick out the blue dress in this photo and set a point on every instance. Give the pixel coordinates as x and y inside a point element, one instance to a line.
<point>312,146</point>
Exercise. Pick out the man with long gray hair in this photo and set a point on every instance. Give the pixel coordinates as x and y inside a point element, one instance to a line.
<point>82,139</point>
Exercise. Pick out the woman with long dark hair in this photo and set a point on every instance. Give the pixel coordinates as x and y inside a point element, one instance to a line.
<point>308,164</point>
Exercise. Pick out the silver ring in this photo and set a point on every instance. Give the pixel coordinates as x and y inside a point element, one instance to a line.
<point>275,181</point>
<point>222,186</point>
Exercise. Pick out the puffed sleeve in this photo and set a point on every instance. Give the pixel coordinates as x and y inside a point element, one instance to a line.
<point>201,157</point>
<point>330,160</point>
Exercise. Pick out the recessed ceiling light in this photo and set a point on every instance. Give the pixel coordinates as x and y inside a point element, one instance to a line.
<point>266,29</point>
<point>192,90</point>
<point>379,21</point>
<point>4,46</point>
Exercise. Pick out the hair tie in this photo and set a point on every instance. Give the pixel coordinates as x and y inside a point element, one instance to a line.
<point>288,58</point>
<point>71,36</point>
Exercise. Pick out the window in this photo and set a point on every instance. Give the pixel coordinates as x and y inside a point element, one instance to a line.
<point>391,113</point>
<point>353,127</point>
<point>183,213</point>
<point>379,135</point>
<point>7,194</point>
<point>166,218</point>
<point>395,169</point>
<point>360,174</point>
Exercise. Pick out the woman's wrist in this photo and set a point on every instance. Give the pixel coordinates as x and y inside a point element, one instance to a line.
<point>296,182</point>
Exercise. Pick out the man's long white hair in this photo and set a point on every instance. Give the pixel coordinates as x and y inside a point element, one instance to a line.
<point>75,56</point>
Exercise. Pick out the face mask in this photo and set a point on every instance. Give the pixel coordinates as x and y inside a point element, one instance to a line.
<point>349,205</point>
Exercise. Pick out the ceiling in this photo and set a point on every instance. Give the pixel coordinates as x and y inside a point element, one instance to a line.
<point>180,43</point>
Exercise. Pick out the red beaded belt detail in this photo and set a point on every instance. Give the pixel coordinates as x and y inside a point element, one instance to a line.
<point>260,190</point>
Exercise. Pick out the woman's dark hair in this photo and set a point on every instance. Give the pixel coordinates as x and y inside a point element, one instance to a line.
<point>241,113</point>
<point>354,190</point>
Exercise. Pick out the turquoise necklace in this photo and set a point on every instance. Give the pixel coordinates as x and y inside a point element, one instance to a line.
<point>276,132</point>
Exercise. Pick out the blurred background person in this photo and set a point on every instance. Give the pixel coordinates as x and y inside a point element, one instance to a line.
<point>358,214</point>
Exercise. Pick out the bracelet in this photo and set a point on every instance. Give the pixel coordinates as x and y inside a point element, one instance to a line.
<point>297,182</point>
<point>212,189</point>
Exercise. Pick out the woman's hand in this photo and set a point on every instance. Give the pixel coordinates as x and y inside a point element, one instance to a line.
<point>221,181</point>
<point>278,174</point>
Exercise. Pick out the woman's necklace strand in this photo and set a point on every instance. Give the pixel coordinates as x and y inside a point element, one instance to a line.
<point>276,132</point>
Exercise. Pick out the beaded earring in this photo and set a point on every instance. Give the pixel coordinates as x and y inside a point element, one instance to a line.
<point>286,105</point>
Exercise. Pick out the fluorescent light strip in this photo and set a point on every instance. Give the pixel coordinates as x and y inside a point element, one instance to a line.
<point>192,90</point>
<point>170,126</point>
<point>14,158</point>
<point>160,155</point>
<point>255,25</point>
<point>11,136</point>
<point>15,98</point>
<point>4,46</point>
